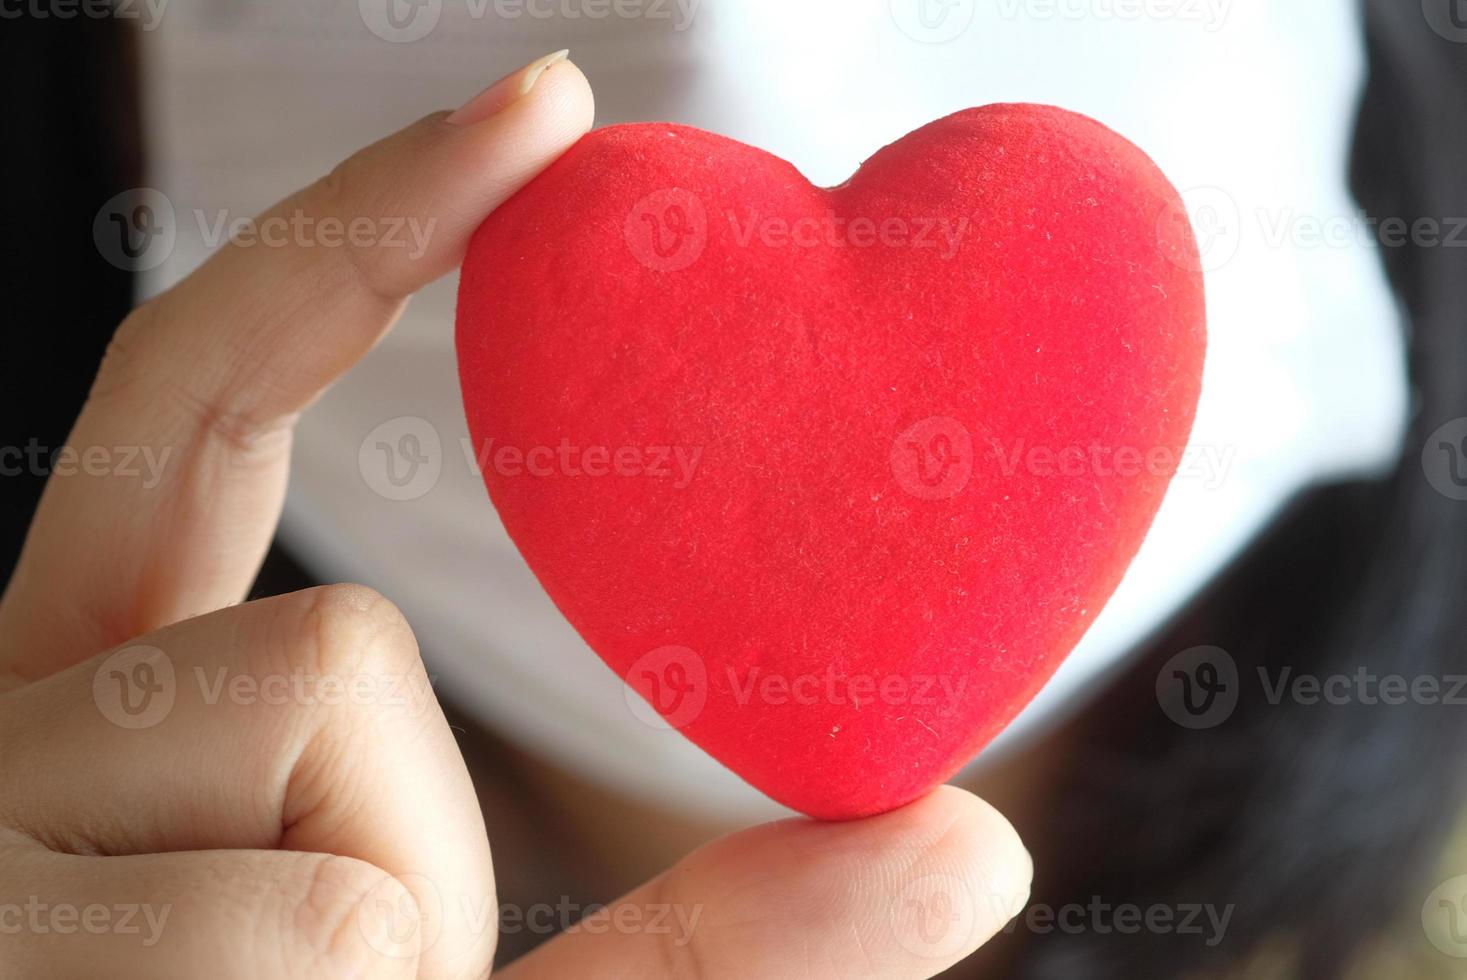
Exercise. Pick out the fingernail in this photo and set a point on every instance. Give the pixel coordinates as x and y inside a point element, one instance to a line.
<point>508,90</point>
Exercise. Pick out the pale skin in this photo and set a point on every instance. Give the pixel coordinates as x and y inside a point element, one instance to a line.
<point>291,835</point>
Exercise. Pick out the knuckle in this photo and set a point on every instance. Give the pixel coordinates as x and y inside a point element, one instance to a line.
<point>135,370</point>
<point>352,919</point>
<point>329,193</point>
<point>346,194</point>
<point>355,629</point>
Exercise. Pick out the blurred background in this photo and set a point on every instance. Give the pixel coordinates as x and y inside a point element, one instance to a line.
<point>1319,525</point>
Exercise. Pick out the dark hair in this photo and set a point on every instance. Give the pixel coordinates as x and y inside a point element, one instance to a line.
<point>72,139</point>
<point>1319,824</point>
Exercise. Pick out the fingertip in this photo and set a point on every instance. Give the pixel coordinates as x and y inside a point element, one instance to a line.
<point>984,848</point>
<point>558,109</point>
<point>950,848</point>
<point>567,92</point>
<point>922,886</point>
<point>440,178</point>
<point>978,826</point>
<point>469,170</point>
<point>961,875</point>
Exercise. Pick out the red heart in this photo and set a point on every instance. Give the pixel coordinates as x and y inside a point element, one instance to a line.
<point>835,479</point>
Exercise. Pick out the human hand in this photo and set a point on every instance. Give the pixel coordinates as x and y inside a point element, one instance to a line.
<point>191,786</point>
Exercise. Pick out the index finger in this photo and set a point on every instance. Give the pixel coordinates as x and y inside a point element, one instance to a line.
<point>214,371</point>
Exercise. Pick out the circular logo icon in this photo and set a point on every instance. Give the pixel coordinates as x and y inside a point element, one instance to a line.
<point>402,458</point>
<point>933,21</point>
<point>667,230</point>
<point>1447,17</point>
<point>933,460</point>
<point>136,230</point>
<point>934,917</point>
<point>1444,460</point>
<point>136,687</point>
<point>1444,917</point>
<point>1198,688</point>
<point>668,687</point>
<point>400,21</point>
<point>1216,223</point>
<point>400,924</point>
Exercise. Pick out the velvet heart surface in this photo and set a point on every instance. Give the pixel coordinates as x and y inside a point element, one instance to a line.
<point>835,478</point>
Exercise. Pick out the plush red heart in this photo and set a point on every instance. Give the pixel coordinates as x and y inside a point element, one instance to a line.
<point>835,479</point>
